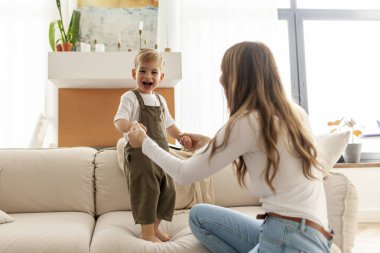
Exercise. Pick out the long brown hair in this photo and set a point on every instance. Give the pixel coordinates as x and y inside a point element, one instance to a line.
<point>252,83</point>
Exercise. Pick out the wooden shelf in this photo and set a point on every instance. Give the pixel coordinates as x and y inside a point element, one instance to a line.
<point>105,70</point>
<point>356,165</point>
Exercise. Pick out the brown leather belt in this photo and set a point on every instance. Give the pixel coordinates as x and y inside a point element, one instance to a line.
<point>309,223</point>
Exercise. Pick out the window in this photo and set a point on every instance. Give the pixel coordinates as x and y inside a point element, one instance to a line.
<point>338,4</point>
<point>23,25</point>
<point>334,57</point>
<point>342,71</point>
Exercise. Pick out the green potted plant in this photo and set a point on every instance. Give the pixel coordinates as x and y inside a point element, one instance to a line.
<point>68,38</point>
<point>353,150</point>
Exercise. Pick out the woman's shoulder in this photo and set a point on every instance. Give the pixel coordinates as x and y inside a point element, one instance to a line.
<point>252,116</point>
<point>249,120</point>
<point>300,112</point>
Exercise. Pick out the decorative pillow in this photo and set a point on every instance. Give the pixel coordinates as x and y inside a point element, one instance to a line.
<point>330,147</point>
<point>5,218</point>
<point>39,133</point>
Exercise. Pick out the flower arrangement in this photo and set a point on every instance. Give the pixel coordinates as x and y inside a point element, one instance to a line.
<point>339,124</point>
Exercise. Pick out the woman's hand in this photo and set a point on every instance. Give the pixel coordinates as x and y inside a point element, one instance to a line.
<point>136,135</point>
<point>186,142</point>
<point>197,140</point>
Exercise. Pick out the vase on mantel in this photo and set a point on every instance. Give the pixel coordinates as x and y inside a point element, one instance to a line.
<point>67,46</point>
<point>352,153</point>
<point>58,48</point>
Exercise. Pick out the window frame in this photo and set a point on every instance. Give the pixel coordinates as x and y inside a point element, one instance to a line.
<point>295,17</point>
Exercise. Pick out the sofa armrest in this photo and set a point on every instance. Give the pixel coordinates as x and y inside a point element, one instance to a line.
<point>342,207</point>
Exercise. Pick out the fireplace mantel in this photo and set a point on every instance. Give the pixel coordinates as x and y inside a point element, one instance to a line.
<point>104,70</point>
<point>89,88</point>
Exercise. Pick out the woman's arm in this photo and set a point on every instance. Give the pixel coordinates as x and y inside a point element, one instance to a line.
<point>242,140</point>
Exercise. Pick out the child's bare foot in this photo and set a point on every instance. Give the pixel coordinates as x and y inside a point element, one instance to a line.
<point>151,238</point>
<point>162,236</point>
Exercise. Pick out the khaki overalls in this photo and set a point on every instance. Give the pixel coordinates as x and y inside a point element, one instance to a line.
<point>152,191</point>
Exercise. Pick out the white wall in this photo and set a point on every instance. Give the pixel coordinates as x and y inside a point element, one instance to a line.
<point>367,184</point>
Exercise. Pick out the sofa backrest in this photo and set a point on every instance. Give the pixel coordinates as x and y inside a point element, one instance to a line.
<point>228,192</point>
<point>110,184</point>
<point>47,180</point>
<point>112,189</point>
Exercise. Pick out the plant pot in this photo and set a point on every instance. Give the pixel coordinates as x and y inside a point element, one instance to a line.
<point>352,153</point>
<point>58,48</point>
<point>67,46</point>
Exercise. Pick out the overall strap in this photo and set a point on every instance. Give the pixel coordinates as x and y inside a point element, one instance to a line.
<point>140,99</point>
<point>159,99</point>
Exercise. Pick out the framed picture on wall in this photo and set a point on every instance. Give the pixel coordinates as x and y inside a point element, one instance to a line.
<point>111,22</point>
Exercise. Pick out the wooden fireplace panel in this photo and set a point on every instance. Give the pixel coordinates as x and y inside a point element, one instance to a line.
<point>85,116</point>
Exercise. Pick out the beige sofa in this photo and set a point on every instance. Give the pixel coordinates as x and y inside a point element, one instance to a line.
<point>75,200</point>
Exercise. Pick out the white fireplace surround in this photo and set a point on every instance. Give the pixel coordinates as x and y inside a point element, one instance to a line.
<point>105,69</point>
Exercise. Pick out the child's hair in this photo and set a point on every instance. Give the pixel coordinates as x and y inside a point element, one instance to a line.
<point>149,55</point>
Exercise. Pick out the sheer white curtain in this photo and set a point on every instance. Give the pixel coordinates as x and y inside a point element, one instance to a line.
<point>23,67</point>
<point>207,29</point>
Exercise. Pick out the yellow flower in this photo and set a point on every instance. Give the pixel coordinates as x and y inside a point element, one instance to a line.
<point>339,124</point>
<point>357,133</point>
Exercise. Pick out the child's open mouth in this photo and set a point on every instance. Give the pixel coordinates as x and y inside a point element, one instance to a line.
<point>147,85</point>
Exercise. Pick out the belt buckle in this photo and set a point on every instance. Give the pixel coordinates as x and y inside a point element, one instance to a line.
<point>261,216</point>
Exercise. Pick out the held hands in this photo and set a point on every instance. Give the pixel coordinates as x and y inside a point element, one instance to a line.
<point>186,142</point>
<point>136,135</point>
<point>193,141</point>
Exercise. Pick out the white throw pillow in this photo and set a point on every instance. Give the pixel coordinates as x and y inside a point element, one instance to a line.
<point>5,218</point>
<point>39,133</point>
<point>330,147</point>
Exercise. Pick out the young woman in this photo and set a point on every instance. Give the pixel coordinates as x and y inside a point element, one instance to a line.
<point>268,139</point>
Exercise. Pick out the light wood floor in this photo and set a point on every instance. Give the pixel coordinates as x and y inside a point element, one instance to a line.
<point>367,238</point>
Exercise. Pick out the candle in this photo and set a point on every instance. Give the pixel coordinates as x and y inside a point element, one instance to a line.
<point>100,48</point>
<point>119,38</point>
<point>141,25</point>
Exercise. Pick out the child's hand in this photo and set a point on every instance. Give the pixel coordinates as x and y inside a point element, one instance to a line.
<point>136,135</point>
<point>186,142</point>
<point>143,127</point>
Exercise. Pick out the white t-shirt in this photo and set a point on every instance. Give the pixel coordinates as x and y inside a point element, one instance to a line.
<point>129,108</point>
<point>295,195</point>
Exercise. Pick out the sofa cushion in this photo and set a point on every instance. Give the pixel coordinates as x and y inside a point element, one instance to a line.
<point>228,192</point>
<point>47,180</point>
<point>116,232</point>
<point>342,208</point>
<point>5,218</point>
<point>330,147</point>
<point>62,232</point>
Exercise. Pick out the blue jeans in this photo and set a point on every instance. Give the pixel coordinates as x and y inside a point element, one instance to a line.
<point>225,230</point>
